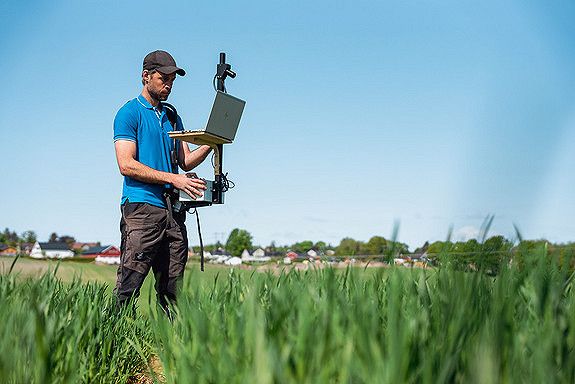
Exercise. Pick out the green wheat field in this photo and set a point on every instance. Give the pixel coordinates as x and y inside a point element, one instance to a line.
<point>328,325</point>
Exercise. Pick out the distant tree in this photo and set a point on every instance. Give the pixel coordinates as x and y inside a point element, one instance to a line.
<point>320,247</point>
<point>494,244</point>
<point>525,252</point>
<point>493,252</point>
<point>29,237</point>
<point>281,250</point>
<point>465,246</point>
<point>463,254</point>
<point>530,246</point>
<point>66,239</point>
<point>438,252</point>
<point>398,247</point>
<point>238,240</point>
<point>349,247</point>
<point>567,256</point>
<point>272,249</point>
<point>209,247</point>
<point>379,245</point>
<point>486,256</point>
<point>10,237</point>
<point>53,237</point>
<point>439,247</point>
<point>376,245</point>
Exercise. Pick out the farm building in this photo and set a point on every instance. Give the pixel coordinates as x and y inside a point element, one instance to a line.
<point>5,250</point>
<point>259,256</point>
<point>26,248</point>
<point>311,255</point>
<point>259,253</point>
<point>292,255</point>
<point>106,254</point>
<point>83,246</point>
<point>51,251</point>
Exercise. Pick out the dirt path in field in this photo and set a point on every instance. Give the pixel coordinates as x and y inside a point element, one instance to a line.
<point>147,377</point>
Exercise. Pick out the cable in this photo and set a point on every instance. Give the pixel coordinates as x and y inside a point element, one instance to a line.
<point>214,83</point>
<point>226,183</point>
<point>201,241</point>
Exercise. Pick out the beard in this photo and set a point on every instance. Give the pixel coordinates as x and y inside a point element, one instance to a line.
<point>161,96</point>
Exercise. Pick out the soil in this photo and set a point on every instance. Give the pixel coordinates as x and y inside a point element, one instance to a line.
<point>147,377</point>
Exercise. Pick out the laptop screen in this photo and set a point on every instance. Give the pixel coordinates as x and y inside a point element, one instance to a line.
<point>225,115</point>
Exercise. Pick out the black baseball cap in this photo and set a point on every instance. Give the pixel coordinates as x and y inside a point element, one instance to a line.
<point>162,62</point>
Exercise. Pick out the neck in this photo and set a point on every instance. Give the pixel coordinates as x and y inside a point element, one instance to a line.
<point>152,100</point>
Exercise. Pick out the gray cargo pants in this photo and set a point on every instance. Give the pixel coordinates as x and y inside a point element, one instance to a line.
<point>149,241</point>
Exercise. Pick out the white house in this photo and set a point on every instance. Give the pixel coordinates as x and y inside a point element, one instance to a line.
<point>110,260</point>
<point>51,251</point>
<point>259,253</point>
<point>233,261</point>
<point>312,253</point>
<point>259,256</point>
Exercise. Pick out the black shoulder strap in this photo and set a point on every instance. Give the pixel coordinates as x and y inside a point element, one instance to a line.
<point>172,115</point>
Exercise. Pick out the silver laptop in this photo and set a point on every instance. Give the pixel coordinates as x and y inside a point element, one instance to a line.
<point>224,117</point>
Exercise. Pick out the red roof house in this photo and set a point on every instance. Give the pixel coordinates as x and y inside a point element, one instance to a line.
<point>102,251</point>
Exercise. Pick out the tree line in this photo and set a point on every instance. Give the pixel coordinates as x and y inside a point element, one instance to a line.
<point>13,239</point>
<point>489,255</point>
<point>240,239</point>
<point>472,254</point>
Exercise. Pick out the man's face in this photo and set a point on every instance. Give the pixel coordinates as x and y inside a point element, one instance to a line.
<point>159,85</point>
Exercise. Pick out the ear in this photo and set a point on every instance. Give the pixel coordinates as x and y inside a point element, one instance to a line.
<point>146,76</point>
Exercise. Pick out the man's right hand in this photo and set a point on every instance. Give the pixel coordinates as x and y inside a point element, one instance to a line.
<point>126,155</point>
<point>190,184</point>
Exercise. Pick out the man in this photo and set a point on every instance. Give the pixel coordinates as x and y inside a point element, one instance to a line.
<point>152,235</point>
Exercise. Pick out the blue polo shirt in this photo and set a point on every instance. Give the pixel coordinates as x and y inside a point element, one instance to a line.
<point>143,124</point>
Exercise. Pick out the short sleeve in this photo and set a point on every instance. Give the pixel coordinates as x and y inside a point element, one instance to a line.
<point>126,124</point>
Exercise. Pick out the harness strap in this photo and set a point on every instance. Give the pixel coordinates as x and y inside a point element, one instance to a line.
<point>172,114</point>
<point>171,221</point>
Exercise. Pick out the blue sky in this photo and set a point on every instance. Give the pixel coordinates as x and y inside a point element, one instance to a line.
<point>429,115</point>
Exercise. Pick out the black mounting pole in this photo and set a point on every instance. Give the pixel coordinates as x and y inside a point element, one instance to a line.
<point>223,70</point>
